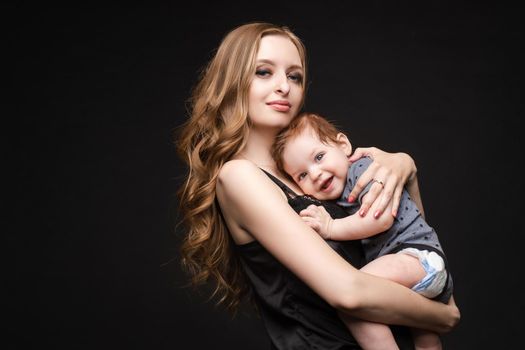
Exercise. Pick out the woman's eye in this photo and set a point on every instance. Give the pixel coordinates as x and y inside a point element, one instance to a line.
<point>296,77</point>
<point>262,72</point>
<point>319,156</point>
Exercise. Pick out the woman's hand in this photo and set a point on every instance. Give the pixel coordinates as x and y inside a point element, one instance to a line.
<point>455,312</point>
<point>390,172</point>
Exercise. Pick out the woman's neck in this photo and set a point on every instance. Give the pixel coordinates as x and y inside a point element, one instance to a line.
<point>258,150</point>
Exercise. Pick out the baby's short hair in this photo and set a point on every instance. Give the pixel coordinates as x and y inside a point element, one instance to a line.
<point>322,128</point>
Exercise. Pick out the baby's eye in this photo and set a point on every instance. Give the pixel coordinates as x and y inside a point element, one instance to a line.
<point>319,156</point>
<point>262,72</point>
<point>301,176</point>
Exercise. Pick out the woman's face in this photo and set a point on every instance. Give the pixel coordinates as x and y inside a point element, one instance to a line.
<point>276,90</point>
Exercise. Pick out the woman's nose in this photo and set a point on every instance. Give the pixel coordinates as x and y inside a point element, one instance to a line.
<point>283,85</point>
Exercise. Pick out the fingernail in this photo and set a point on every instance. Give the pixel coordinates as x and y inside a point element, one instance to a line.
<point>362,212</point>
<point>394,213</point>
<point>376,214</point>
<point>351,199</point>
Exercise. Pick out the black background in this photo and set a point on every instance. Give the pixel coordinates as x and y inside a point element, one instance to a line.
<point>95,91</point>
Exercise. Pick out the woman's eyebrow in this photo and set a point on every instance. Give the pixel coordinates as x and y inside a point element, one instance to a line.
<point>270,62</point>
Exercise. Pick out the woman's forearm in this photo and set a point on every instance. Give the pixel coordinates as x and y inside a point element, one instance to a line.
<point>329,275</point>
<point>379,300</point>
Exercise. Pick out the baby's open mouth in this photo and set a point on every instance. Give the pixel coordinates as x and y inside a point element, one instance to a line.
<point>326,183</point>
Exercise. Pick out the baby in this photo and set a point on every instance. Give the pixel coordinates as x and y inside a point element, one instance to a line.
<point>404,249</point>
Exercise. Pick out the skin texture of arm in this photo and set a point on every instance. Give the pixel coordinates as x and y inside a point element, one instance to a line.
<point>358,227</point>
<point>348,228</point>
<point>253,206</point>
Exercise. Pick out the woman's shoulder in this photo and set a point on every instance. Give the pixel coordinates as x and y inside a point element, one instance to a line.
<point>235,165</point>
<point>236,169</point>
<point>241,174</point>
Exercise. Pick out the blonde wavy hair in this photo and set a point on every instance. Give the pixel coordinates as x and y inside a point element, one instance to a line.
<point>216,132</point>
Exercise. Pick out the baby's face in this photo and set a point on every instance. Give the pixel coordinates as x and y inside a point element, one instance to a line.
<point>319,169</point>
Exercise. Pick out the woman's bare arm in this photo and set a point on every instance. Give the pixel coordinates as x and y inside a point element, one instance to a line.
<point>250,200</point>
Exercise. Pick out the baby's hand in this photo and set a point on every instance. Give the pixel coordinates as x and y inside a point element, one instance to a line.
<point>318,218</point>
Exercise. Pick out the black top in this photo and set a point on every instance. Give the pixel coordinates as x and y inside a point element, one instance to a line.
<point>295,317</point>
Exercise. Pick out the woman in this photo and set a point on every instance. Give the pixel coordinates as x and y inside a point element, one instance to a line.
<point>244,233</point>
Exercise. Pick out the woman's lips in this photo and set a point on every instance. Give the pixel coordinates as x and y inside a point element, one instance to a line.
<point>281,106</point>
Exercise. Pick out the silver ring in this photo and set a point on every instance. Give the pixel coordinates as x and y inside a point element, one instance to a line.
<point>380,182</point>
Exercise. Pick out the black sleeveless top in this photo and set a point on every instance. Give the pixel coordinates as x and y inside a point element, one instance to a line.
<point>295,317</point>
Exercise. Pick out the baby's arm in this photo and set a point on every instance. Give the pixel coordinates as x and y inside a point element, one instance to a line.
<point>348,228</point>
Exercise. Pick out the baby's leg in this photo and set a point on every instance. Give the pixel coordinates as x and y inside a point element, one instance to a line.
<point>403,269</point>
<point>370,335</point>
<point>406,270</point>
<point>425,340</point>
<point>400,268</point>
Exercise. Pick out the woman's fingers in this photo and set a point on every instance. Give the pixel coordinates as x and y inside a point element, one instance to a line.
<point>396,200</point>
<point>363,180</point>
<point>387,193</point>
<point>389,172</point>
<point>360,152</point>
<point>371,196</point>
<point>381,178</point>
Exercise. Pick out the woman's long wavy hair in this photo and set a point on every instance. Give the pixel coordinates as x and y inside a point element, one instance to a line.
<point>216,132</point>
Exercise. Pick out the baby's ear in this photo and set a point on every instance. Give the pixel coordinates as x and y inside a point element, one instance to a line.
<point>344,144</point>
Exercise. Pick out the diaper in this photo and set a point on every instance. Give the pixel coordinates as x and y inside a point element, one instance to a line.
<point>433,283</point>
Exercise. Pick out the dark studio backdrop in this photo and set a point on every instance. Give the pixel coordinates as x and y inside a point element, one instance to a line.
<point>92,254</point>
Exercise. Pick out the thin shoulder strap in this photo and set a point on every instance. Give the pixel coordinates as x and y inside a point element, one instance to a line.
<point>290,194</point>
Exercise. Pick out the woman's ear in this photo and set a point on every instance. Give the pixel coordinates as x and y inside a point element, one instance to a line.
<point>344,144</point>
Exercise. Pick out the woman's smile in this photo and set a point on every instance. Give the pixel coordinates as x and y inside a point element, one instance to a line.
<point>280,105</point>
